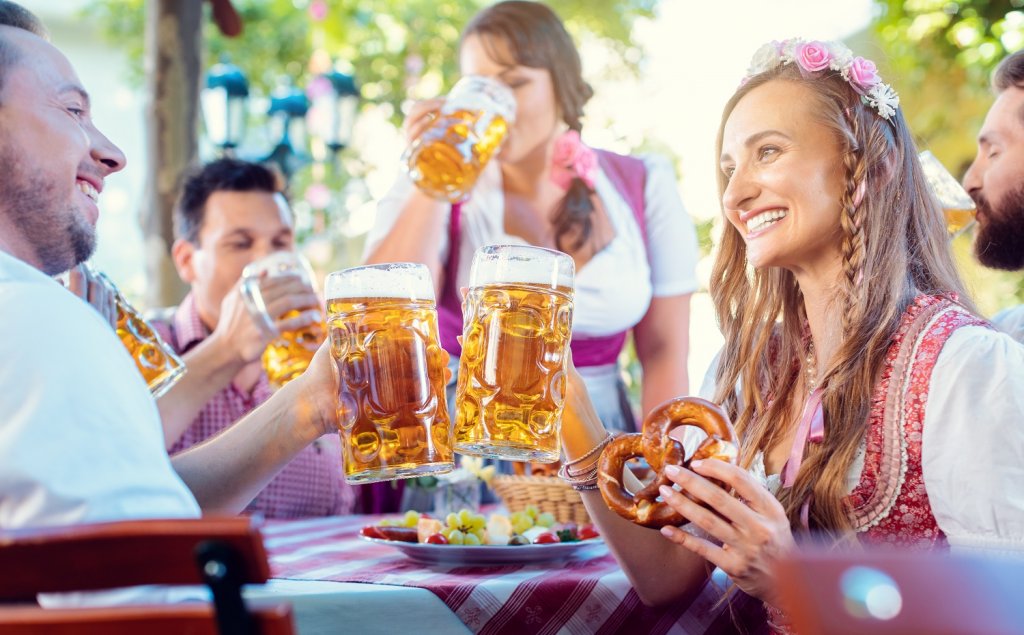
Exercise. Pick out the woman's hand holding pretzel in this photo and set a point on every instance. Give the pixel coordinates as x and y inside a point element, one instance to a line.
<point>748,536</point>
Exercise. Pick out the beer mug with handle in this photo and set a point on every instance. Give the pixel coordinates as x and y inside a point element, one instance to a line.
<point>392,414</point>
<point>289,354</point>
<point>512,373</point>
<point>446,159</point>
<point>159,365</point>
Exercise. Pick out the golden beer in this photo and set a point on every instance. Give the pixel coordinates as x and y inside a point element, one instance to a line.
<point>446,160</point>
<point>511,385</point>
<point>957,205</point>
<point>392,413</point>
<point>289,354</point>
<point>157,362</point>
<point>958,220</point>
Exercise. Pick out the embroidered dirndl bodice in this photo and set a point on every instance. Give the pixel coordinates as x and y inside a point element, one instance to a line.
<point>889,506</point>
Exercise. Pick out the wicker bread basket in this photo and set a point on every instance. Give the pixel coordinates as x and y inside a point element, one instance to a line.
<point>546,493</point>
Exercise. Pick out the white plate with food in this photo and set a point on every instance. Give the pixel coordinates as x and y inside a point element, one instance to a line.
<point>484,555</point>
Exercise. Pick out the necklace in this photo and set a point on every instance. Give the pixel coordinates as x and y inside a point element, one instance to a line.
<point>812,368</point>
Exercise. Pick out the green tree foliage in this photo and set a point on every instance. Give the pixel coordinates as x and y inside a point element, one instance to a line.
<point>391,46</point>
<point>940,54</point>
<point>974,34</point>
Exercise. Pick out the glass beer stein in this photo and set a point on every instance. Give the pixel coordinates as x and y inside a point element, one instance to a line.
<point>957,205</point>
<point>289,354</point>
<point>517,326</point>
<point>392,413</point>
<point>159,365</point>
<point>446,159</point>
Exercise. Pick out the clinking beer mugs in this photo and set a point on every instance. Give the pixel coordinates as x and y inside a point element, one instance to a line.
<point>289,354</point>
<point>446,159</point>
<point>392,413</point>
<point>512,373</point>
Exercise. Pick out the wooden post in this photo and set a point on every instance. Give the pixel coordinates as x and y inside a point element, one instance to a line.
<point>173,71</point>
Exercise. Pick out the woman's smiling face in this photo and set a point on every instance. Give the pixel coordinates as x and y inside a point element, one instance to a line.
<point>785,178</point>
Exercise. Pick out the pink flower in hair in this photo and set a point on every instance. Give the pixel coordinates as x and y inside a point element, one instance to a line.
<point>863,75</point>
<point>812,56</point>
<point>819,59</point>
<point>571,159</point>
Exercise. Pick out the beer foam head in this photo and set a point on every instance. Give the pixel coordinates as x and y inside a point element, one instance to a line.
<point>408,280</point>
<point>478,92</point>
<point>521,263</point>
<point>280,263</point>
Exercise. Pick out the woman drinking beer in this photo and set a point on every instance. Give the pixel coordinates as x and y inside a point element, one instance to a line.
<point>620,218</point>
<point>859,379</point>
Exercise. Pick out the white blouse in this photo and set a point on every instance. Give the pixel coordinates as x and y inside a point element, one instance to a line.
<point>80,435</point>
<point>1011,321</point>
<point>972,449</point>
<point>613,289</point>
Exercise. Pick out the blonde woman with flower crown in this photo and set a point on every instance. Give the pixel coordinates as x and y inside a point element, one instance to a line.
<point>620,218</point>
<point>883,410</point>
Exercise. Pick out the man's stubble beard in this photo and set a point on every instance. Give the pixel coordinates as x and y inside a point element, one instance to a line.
<point>58,233</point>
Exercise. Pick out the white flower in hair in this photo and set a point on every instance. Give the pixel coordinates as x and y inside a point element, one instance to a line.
<point>787,49</point>
<point>883,99</point>
<point>765,59</point>
<point>841,57</point>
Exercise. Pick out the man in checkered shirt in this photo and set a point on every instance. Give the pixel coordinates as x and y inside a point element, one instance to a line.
<point>229,214</point>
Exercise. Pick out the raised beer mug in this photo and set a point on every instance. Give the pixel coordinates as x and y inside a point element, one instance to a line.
<point>159,365</point>
<point>446,159</point>
<point>289,354</point>
<point>392,413</point>
<point>517,322</point>
<point>957,205</point>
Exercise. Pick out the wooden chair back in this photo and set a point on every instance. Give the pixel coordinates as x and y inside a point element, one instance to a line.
<point>221,553</point>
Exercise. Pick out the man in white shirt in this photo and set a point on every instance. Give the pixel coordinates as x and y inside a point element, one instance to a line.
<point>996,183</point>
<point>80,437</point>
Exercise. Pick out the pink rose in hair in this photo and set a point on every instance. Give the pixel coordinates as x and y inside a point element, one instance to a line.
<point>863,75</point>
<point>585,166</point>
<point>571,159</point>
<point>567,146</point>
<point>812,56</point>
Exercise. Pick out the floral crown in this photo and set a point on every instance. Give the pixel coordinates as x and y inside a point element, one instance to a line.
<point>814,58</point>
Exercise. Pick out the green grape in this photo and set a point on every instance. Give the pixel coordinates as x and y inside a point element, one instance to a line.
<point>546,519</point>
<point>454,536</point>
<point>521,521</point>
<point>464,528</point>
<point>411,519</point>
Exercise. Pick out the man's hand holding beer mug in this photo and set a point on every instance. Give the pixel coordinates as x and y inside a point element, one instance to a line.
<point>275,313</point>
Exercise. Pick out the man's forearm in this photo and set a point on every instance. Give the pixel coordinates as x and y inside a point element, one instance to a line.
<point>210,367</point>
<point>226,471</point>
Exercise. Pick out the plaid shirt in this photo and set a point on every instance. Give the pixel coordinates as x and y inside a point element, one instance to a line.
<point>313,484</point>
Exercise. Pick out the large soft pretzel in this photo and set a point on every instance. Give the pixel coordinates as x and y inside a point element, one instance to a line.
<point>659,449</point>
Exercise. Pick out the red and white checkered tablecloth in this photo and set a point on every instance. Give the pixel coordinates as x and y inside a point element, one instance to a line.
<point>581,596</point>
